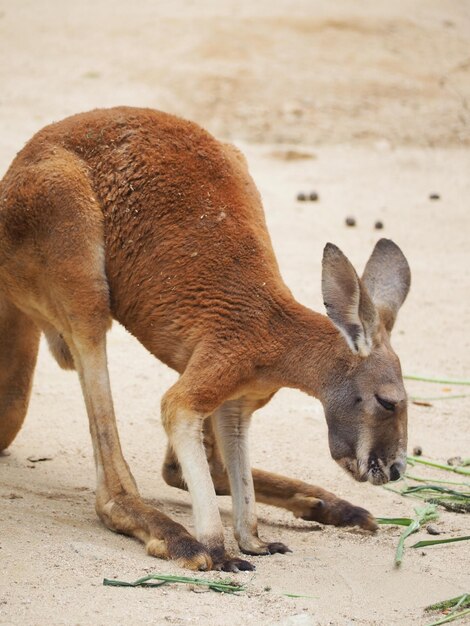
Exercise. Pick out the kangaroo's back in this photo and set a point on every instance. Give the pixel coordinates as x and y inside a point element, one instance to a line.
<point>185,239</point>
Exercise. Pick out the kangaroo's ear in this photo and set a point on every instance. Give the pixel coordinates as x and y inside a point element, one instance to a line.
<point>347,303</point>
<point>387,279</point>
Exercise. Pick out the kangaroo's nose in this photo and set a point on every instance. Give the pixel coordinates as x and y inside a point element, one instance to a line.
<point>396,471</point>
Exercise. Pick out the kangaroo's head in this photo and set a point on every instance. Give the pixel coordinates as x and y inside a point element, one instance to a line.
<point>365,402</point>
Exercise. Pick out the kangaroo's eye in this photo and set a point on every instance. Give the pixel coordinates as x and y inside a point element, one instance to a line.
<point>388,405</point>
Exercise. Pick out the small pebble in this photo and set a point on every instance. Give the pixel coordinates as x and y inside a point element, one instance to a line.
<point>313,196</point>
<point>301,197</point>
<point>378,225</point>
<point>434,196</point>
<point>433,530</point>
<point>350,221</point>
<point>417,451</point>
<point>455,460</point>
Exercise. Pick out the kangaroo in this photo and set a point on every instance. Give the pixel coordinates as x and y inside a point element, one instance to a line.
<point>139,216</point>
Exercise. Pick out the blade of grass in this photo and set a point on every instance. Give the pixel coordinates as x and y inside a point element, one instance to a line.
<point>452,505</point>
<point>451,603</point>
<point>225,586</point>
<point>423,515</point>
<point>450,618</point>
<point>396,521</point>
<point>456,503</point>
<point>435,398</point>
<point>427,379</point>
<point>392,489</point>
<point>435,542</point>
<point>419,479</point>
<point>443,490</point>
<point>458,469</point>
<point>296,595</point>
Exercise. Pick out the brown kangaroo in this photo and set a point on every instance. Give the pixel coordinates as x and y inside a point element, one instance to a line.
<point>140,216</point>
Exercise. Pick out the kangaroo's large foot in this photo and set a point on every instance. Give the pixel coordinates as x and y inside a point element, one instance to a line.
<point>163,538</point>
<point>332,510</point>
<point>309,502</point>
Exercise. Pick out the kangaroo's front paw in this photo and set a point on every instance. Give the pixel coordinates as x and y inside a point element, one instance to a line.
<point>236,565</point>
<point>278,548</point>
<point>334,511</point>
<point>223,562</point>
<point>260,548</point>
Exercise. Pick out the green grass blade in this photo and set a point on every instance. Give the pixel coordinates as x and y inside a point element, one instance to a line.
<point>396,521</point>
<point>435,542</point>
<point>452,505</point>
<point>458,469</point>
<point>110,582</point>
<point>419,479</point>
<point>437,398</point>
<point>443,490</point>
<point>225,586</point>
<point>296,595</point>
<point>450,618</point>
<point>451,603</point>
<point>424,514</point>
<point>427,379</point>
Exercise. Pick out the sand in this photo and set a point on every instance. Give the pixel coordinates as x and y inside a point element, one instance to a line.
<point>368,108</point>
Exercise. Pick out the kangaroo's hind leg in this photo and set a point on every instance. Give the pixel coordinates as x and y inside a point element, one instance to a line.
<point>60,277</point>
<point>19,341</point>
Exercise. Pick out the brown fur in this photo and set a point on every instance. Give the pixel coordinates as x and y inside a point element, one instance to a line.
<point>140,216</point>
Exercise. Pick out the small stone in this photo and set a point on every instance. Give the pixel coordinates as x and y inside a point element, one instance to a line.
<point>313,196</point>
<point>434,196</point>
<point>378,225</point>
<point>301,197</point>
<point>417,451</point>
<point>455,460</point>
<point>433,530</point>
<point>350,221</point>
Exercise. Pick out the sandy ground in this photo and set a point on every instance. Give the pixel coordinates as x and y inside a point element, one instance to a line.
<point>375,100</point>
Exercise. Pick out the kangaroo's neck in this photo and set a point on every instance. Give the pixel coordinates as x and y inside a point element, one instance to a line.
<point>314,352</point>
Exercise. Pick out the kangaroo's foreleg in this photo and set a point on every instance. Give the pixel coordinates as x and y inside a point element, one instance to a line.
<point>304,500</point>
<point>231,423</point>
<point>183,421</point>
